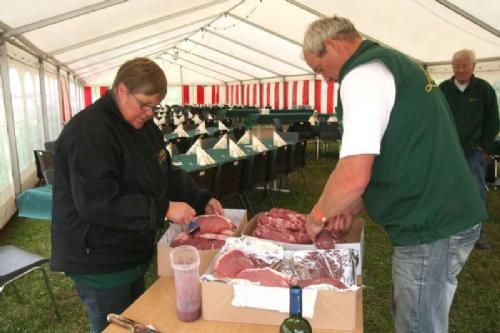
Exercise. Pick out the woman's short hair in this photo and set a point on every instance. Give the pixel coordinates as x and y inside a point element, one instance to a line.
<point>142,76</point>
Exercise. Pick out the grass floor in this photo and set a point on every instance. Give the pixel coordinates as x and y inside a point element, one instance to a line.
<point>474,310</point>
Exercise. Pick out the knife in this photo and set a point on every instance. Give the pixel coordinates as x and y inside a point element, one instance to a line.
<point>132,325</point>
<point>192,226</point>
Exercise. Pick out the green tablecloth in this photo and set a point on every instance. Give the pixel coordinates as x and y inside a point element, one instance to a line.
<point>237,113</point>
<point>36,203</point>
<point>189,162</point>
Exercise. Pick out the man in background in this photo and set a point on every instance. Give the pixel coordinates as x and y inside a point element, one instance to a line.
<point>473,103</point>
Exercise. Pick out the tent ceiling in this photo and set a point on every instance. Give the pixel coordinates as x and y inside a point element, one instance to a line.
<point>218,41</point>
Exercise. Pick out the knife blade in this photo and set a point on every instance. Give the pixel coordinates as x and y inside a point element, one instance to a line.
<point>132,325</point>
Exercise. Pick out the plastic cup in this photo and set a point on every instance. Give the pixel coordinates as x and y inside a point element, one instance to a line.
<point>185,262</point>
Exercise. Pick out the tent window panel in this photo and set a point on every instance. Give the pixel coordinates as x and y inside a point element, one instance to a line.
<point>174,96</point>
<point>5,167</point>
<point>20,123</point>
<point>33,109</point>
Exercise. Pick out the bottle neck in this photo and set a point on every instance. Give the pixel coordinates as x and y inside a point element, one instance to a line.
<point>296,303</point>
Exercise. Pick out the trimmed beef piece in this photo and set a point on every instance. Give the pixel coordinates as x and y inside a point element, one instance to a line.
<point>231,263</point>
<point>265,276</point>
<point>324,240</point>
<point>214,224</point>
<point>184,238</point>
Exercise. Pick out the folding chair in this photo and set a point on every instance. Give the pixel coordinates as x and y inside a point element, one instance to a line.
<point>328,132</point>
<point>16,263</point>
<point>228,180</point>
<point>182,144</point>
<point>298,161</point>
<point>256,173</point>
<point>44,160</point>
<point>205,178</point>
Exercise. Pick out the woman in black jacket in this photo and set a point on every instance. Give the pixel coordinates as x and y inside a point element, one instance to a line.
<point>114,186</point>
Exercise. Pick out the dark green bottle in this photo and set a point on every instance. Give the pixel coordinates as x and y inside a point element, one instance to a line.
<point>295,323</point>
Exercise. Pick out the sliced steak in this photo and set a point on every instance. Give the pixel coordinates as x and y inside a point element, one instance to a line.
<point>231,263</point>
<point>265,276</point>
<point>214,224</point>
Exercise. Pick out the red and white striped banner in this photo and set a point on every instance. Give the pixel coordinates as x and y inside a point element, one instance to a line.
<point>321,96</point>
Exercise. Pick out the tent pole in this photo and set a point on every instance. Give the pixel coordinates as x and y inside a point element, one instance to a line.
<point>9,115</point>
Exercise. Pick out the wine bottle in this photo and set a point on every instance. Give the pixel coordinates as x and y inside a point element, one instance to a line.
<point>295,323</point>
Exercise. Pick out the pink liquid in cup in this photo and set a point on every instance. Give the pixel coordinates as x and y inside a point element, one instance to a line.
<point>185,262</point>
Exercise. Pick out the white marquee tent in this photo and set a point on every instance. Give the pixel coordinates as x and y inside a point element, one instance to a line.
<point>213,51</point>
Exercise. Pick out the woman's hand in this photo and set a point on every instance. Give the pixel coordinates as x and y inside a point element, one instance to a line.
<point>214,207</point>
<point>180,212</point>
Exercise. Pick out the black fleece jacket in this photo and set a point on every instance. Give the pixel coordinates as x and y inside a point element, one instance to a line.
<point>112,187</point>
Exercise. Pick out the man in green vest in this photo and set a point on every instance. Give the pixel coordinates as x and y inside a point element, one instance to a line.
<point>473,103</point>
<point>400,160</point>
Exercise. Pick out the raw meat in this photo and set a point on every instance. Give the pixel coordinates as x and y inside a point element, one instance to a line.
<point>231,263</point>
<point>214,224</point>
<point>265,276</point>
<point>213,236</point>
<point>288,226</point>
<point>213,231</point>
<point>324,240</point>
<point>281,235</point>
<point>199,243</point>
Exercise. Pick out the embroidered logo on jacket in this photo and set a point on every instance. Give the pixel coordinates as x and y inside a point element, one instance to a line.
<point>162,156</point>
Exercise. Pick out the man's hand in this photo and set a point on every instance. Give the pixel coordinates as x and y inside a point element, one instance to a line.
<point>340,224</point>
<point>313,226</point>
<point>180,212</point>
<point>214,207</point>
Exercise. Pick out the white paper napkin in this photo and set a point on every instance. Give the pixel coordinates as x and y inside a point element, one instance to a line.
<point>235,151</point>
<point>202,158</point>
<point>246,139</point>
<point>278,140</point>
<point>156,121</point>
<point>313,120</point>
<point>177,121</point>
<point>196,119</point>
<point>169,149</point>
<point>222,126</point>
<point>201,127</point>
<point>222,143</point>
<point>332,119</point>
<point>272,298</point>
<point>257,145</point>
<point>194,146</point>
<point>179,130</point>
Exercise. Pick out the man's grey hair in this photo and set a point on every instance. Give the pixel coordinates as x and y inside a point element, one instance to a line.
<point>335,27</point>
<point>465,53</point>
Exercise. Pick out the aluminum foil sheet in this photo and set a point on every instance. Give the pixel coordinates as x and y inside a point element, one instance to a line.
<point>320,269</point>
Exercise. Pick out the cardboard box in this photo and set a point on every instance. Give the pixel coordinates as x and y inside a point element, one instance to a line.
<point>353,240</point>
<point>332,310</point>
<point>237,216</point>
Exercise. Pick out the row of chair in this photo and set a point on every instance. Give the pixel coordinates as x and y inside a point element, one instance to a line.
<point>238,177</point>
<point>325,133</point>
